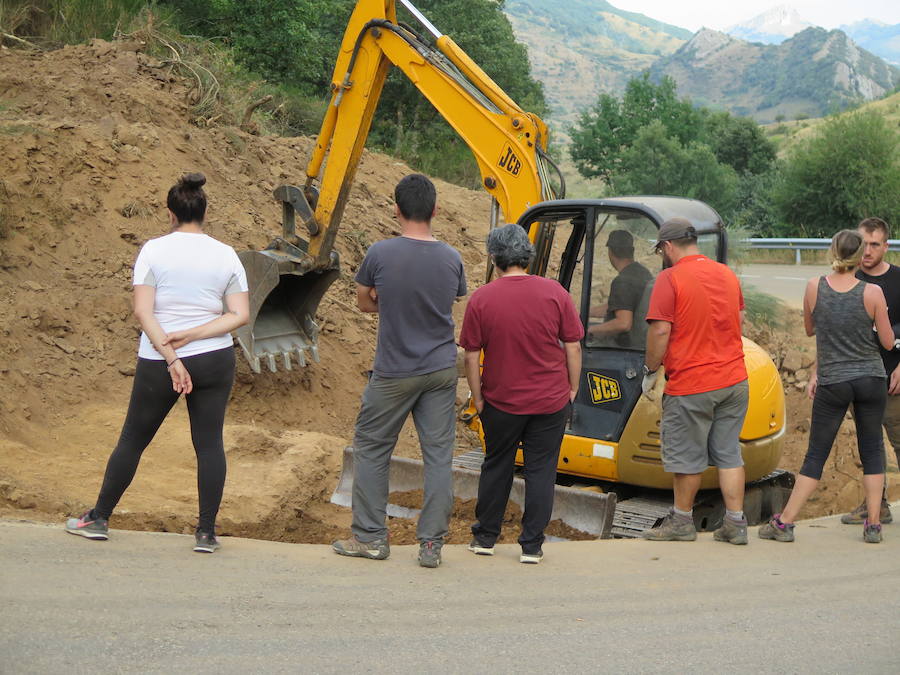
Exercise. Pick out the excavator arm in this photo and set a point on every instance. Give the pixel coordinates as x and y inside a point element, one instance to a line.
<point>507,142</point>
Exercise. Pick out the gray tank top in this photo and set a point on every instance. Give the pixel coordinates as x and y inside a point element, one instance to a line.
<point>845,344</point>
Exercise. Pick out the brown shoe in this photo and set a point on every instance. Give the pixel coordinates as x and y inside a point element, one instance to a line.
<point>374,550</point>
<point>672,528</point>
<point>858,515</point>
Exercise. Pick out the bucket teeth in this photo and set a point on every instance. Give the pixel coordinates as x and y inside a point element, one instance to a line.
<point>270,358</point>
<point>287,360</point>
<point>301,359</point>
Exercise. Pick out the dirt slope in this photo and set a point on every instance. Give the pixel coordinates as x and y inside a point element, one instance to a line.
<point>91,137</point>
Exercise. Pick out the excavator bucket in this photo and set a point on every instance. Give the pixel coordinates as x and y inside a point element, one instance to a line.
<point>286,286</point>
<point>584,510</point>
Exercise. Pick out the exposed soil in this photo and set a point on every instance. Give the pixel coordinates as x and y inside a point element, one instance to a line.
<point>91,138</point>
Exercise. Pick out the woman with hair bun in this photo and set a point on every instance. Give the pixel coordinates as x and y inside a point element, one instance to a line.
<point>840,311</point>
<point>190,292</point>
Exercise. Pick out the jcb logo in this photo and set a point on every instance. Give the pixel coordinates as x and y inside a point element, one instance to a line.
<point>509,161</point>
<point>603,389</point>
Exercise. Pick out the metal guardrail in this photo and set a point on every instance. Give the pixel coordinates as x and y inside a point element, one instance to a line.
<point>798,244</point>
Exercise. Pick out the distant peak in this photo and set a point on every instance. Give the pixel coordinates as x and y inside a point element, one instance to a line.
<point>773,25</point>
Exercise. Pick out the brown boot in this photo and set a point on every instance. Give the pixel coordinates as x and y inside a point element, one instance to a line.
<point>858,515</point>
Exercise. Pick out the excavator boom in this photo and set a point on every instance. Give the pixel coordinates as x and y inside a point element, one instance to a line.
<point>289,278</point>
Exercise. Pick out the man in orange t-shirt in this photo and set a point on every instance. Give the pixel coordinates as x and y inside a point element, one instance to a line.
<point>695,315</point>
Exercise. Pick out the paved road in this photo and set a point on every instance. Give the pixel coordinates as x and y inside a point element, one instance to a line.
<point>143,602</point>
<point>785,282</point>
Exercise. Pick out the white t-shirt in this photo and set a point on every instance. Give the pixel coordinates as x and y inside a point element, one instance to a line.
<point>192,274</point>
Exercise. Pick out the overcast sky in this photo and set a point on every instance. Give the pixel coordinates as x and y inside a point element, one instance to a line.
<point>719,14</point>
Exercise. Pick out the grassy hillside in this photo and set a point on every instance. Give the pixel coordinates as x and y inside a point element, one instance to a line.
<point>788,134</point>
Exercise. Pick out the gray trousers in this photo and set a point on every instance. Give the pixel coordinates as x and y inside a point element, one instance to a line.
<point>386,403</point>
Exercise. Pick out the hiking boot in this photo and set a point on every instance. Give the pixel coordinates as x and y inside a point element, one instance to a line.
<point>732,531</point>
<point>430,553</point>
<point>531,558</point>
<point>859,515</point>
<point>379,549</point>
<point>479,549</point>
<point>673,528</point>
<point>205,542</point>
<point>777,530</point>
<point>91,528</point>
<point>871,533</point>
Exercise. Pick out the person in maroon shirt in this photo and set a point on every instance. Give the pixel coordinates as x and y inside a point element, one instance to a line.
<point>531,335</point>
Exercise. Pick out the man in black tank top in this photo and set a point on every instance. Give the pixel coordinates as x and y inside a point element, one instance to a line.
<point>874,269</point>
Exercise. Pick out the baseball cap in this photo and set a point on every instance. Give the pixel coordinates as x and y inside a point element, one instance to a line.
<point>620,239</point>
<point>675,228</point>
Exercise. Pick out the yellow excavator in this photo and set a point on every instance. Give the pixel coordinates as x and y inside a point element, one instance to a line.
<point>612,443</point>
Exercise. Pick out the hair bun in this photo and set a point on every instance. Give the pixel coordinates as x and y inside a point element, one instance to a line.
<point>193,181</point>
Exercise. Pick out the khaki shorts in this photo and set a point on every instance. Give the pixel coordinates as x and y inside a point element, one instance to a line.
<point>701,430</point>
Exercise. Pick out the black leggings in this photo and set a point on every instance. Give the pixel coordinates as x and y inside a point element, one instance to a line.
<point>868,396</point>
<point>152,397</point>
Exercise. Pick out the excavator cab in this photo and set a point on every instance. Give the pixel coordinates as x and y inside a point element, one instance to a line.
<point>608,263</point>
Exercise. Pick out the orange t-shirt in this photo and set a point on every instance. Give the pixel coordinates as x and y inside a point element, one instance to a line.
<point>702,300</point>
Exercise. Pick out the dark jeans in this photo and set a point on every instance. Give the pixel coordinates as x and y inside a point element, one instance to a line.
<point>152,397</point>
<point>540,436</point>
<point>868,396</point>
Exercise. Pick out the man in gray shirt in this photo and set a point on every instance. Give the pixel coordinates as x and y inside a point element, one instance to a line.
<point>411,281</point>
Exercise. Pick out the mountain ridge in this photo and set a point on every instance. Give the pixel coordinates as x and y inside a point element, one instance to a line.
<point>811,73</point>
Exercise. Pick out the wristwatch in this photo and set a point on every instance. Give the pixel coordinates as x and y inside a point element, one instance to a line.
<point>647,370</point>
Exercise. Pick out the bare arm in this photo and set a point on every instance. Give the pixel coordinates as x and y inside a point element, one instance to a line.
<point>366,299</point>
<point>657,343</point>
<point>622,323</point>
<point>809,304</point>
<point>573,365</point>
<point>238,306</point>
<point>144,302</point>
<point>473,377</point>
<point>873,297</point>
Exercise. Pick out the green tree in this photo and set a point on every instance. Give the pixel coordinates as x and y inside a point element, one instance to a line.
<point>611,126</point>
<point>739,142</point>
<point>849,171</point>
<point>657,163</point>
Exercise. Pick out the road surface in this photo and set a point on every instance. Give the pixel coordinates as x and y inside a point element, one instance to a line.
<point>785,282</point>
<point>143,602</point>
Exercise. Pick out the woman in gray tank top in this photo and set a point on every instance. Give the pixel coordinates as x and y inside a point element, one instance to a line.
<point>840,310</point>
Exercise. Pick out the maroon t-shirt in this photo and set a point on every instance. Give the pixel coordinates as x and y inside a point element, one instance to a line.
<point>521,322</point>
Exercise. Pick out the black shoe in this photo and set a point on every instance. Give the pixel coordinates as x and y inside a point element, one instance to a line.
<point>205,542</point>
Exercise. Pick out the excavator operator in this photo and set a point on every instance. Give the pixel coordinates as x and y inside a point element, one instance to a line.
<point>625,291</point>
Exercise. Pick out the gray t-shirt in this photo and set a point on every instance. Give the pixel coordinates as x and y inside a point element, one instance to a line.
<point>417,282</point>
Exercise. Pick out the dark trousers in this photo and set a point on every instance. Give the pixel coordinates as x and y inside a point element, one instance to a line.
<point>868,396</point>
<point>540,436</point>
<point>152,397</point>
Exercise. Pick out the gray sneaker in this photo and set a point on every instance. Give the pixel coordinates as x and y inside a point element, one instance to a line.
<point>777,530</point>
<point>672,528</point>
<point>871,533</point>
<point>379,549</point>
<point>91,528</point>
<point>859,515</point>
<point>732,531</point>
<point>205,542</point>
<point>430,553</point>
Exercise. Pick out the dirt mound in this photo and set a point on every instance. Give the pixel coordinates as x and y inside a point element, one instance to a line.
<point>91,138</point>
